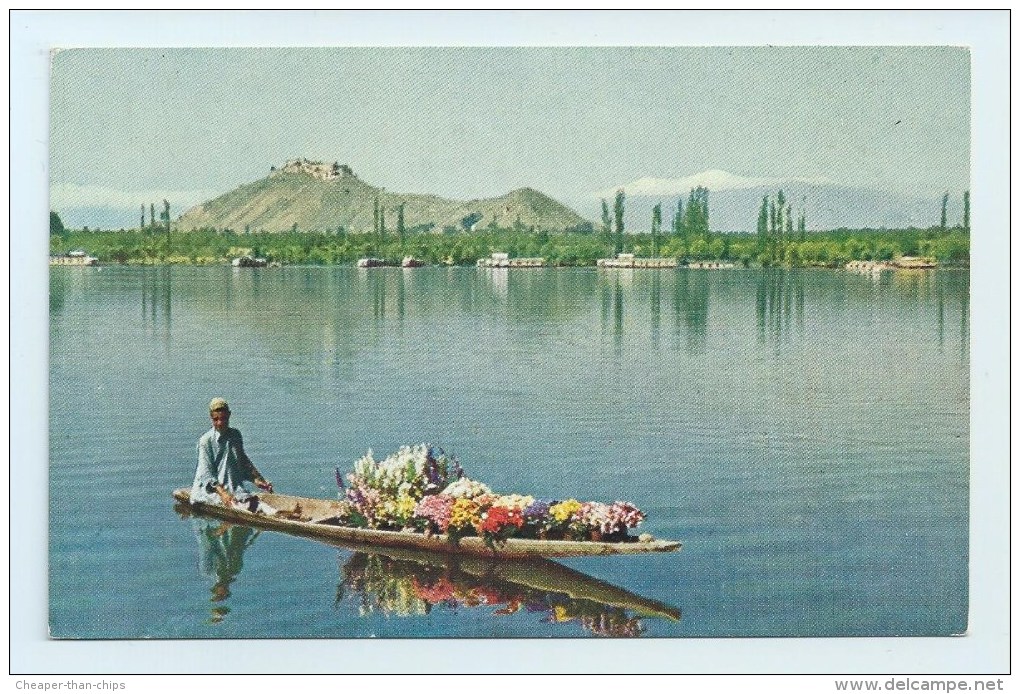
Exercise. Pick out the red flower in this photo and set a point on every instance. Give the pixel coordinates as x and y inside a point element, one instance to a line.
<point>497,518</point>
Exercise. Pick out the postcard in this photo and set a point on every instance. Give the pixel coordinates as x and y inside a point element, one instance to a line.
<point>519,346</point>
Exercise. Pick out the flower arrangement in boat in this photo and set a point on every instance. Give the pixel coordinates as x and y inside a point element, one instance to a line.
<point>385,493</point>
<point>412,470</point>
<point>424,489</point>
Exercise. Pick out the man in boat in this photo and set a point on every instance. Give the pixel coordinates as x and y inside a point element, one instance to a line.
<point>224,467</point>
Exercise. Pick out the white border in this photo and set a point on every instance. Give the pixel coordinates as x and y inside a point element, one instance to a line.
<point>984,650</point>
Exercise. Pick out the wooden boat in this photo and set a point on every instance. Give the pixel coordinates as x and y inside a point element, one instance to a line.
<point>316,518</point>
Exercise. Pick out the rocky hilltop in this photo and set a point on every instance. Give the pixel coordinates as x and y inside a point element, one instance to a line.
<point>317,196</point>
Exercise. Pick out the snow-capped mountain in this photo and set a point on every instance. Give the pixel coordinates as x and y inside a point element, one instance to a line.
<point>734,202</point>
<point>716,180</point>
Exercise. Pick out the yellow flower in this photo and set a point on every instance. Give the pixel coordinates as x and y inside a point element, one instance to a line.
<point>563,511</point>
<point>397,511</point>
<point>463,514</point>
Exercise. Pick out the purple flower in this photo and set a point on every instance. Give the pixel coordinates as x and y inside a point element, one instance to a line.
<point>538,510</point>
<point>458,471</point>
<point>432,470</point>
<point>339,479</point>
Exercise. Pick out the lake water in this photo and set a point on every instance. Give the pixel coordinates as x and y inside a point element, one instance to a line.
<point>804,433</point>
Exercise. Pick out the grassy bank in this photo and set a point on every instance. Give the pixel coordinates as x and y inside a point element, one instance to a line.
<point>828,249</point>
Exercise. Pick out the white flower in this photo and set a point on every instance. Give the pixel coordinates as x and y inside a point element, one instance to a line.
<point>466,488</point>
<point>514,501</point>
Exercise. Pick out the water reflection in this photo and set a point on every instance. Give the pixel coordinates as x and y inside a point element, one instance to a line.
<point>221,558</point>
<point>656,308</point>
<point>157,302</point>
<point>780,300</point>
<point>690,304</point>
<point>618,316</point>
<point>58,291</point>
<point>408,583</point>
<point>341,313</point>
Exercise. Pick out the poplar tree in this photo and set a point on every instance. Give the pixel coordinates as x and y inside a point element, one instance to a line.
<point>400,223</point>
<point>763,223</point>
<point>945,202</point>
<point>678,219</point>
<point>607,224</point>
<point>618,214</point>
<point>656,228</point>
<point>143,217</point>
<point>696,215</point>
<point>780,206</point>
<point>966,210</point>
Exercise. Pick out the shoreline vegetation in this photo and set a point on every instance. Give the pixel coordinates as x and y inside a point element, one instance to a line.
<point>950,247</point>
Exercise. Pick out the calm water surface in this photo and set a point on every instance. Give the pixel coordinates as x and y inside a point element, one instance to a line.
<point>805,433</point>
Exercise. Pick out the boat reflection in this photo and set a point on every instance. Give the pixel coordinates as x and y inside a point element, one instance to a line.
<point>409,583</point>
<point>221,558</point>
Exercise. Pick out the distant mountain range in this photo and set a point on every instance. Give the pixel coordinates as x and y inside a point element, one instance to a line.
<point>320,197</point>
<point>734,202</point>
<point>312,196</point>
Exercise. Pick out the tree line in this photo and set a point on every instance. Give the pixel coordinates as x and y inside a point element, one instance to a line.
<point>822,248</point>
<point>690,221</point>
<point>780,238</point>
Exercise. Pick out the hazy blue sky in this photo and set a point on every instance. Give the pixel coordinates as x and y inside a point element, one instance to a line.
<point>466,123</point>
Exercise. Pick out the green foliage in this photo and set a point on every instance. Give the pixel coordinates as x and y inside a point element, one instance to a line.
<point>56,226</point>
<point>618,215</point>
<point>696,214</point>
<point>656,228</point>
<point>763,224</point>
<point>679,229</point>
<point>209,246</point>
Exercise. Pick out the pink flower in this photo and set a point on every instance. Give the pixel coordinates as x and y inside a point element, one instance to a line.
<point>436,509</point>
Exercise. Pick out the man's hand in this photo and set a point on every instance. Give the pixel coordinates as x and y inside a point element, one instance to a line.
<point>227,500</point>
<point>263,484</point>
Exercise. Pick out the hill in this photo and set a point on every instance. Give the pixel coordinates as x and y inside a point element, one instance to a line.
<point>320,197</point>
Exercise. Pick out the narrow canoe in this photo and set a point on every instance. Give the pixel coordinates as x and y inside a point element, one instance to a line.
<point>311,518</point>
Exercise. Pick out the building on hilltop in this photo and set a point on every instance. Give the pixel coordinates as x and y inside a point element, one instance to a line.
<point>318,169</point>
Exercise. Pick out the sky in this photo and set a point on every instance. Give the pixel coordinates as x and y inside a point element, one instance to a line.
<point>132,125</point>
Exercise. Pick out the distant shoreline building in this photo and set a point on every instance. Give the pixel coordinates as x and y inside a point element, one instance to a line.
<point>74,258</point>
